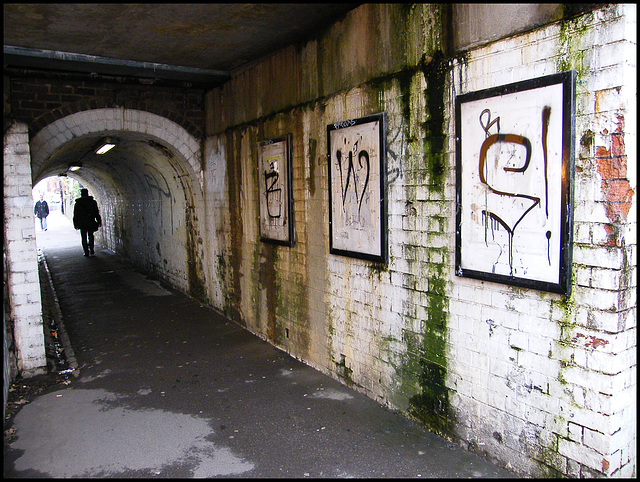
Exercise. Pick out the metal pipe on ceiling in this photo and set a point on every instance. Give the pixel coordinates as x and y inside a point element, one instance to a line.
<point>73,62</point>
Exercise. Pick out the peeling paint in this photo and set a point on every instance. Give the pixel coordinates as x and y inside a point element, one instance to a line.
<point>612,168</point>
<point>591,341</point>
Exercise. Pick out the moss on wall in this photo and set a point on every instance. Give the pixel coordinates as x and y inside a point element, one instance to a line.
<point>431,404</point>
<point>421,80</point>
<point>269,281</point>
<point>436,70</point>
<point>420,359</point>
<point>571,56</point>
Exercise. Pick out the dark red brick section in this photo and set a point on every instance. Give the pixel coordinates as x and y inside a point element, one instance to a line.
<point>40,102</point>
<point>612,167</point>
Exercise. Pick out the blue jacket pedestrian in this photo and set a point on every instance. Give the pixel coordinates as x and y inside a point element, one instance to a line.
<point>42,211</point>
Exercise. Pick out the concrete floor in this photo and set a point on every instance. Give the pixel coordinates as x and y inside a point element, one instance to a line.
<point>166,387</point>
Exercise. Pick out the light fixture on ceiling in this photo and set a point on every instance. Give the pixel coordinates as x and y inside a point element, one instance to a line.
<point>105,145</point>
<point>75,167</point>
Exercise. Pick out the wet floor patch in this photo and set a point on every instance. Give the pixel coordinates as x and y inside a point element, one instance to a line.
<point>331,394</point>
<point>91,433</point>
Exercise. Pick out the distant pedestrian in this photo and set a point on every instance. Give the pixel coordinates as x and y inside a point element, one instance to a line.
<point>42,211</point>
<point>86,218</point>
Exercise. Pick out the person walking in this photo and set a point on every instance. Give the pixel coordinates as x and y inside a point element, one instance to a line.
<point>86,218</point>
<point>42,211</point>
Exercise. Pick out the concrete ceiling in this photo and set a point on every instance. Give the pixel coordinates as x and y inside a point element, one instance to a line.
<point>198,43</point>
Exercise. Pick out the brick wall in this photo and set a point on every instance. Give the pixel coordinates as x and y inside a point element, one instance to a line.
<point>537,381</point>
<point>561,351</point>
<point>556,373</point>
<point>540,382</point>
<point>42,101</point>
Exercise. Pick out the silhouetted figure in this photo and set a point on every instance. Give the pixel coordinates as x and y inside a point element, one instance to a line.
<point>42,211</point>
<point>86,218</point>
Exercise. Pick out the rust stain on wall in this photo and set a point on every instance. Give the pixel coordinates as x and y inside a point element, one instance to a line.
<point>267,278</point>
<point>195,276</point>
<point>234,183</point>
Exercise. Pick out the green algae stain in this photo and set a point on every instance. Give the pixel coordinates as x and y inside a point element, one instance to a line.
<point>549,458</point>
<point>421,371</point>
<point>431,405</point>
<point>571,56</point>
<point>436,70</point>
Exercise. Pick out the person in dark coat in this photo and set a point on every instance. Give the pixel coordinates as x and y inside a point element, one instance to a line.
<point>86,218</point>
<point>42,211</point>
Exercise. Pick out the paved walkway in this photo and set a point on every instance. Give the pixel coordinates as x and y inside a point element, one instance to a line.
<point>166,387</point>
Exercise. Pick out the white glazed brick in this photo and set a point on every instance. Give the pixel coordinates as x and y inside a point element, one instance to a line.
<point>518,339</point>
<point>622,341</point>
<point>22,169</point>
<point>586,378</point>
<point>606,279</point>
<point>582,233</point>
<point>587,418</point>
<point>606,363</point>
<point>589,211</point>
<point>597,256</point>
<point>600,235</point>
<point>575,432</point>
<point>131,118</point>
<point>580,454</point>
<point>26,311</point>
<point>23,289</point>
<point>587,189</point>
<point>583,276</point>
<point>604,300</point>
<point>606,321</point>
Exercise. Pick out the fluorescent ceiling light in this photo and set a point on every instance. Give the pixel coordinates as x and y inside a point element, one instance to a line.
<point>105,147</point>
<point>74,168</point>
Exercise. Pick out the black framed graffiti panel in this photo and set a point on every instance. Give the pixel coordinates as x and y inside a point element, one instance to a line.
<point>515,158</point>
<point>357,188</point>
<point>275,191</point>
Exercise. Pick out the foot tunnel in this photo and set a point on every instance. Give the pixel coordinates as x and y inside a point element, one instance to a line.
<point>148,188</point>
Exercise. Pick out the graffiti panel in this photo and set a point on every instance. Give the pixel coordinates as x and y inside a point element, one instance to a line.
<point>357,188</point>
<point>515,183</point>
<point>275,192</point>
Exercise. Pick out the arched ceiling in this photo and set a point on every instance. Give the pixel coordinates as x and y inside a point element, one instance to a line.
<point>133,150</point>
<point>120,174</point>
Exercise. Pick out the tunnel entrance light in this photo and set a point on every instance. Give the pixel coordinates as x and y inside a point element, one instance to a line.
<point>105,146</point>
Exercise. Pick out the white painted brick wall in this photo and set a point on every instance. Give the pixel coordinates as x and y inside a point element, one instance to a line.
<point>537,368</point>
<point>19,232</point>
<point>600,371</point>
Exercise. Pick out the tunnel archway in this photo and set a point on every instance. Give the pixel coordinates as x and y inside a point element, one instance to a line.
<point>149,187</point>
